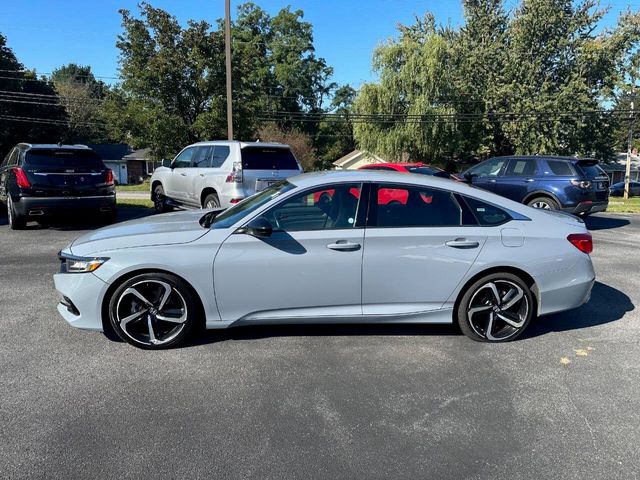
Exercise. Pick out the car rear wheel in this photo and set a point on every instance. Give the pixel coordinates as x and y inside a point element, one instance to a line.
<point>160,200</point>
<point>153,311</point>
<point>496,308</point>
<point>544,203</point>
<point>211,201</point>
<point>16,221</point>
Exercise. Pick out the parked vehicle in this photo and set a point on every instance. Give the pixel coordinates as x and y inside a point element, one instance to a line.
<point>220,174</point>
<point>419,168</point>
<point>617,189</point>
<point>574,185</point>
<point>281,257</point>
<point>41,180</point>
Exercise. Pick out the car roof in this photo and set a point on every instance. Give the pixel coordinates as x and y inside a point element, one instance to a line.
<point>242,144</point>
<point>52,146</point>
<point>545,157</point>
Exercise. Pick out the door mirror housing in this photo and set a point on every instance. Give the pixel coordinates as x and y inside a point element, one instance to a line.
<point>468,177</point>
<point>166,163</point>
<point>258,227</point>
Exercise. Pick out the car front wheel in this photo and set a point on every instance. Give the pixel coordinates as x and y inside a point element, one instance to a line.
<point>496,308</point>
<point>153,311</point>
<point>160,200</point>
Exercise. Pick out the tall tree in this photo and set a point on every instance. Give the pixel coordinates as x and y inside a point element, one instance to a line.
<point>81,95</point>
<point>29,109</point>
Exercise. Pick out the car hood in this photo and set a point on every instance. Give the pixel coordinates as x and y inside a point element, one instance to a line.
<point>165,229</point>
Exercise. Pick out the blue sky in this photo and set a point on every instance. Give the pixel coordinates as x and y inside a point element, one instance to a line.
<point>54,33</point>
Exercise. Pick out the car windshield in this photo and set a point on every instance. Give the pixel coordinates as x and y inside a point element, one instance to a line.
<point>591,169</point>
<point>265,158</point>
<point>232,215</point>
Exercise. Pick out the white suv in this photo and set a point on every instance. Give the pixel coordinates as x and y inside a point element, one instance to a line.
<point>220,173</point>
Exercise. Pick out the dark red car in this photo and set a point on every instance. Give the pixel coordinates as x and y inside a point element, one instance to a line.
<point>386,195</point>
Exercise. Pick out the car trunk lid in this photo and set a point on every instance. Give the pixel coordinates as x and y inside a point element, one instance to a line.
<point>66,172</point>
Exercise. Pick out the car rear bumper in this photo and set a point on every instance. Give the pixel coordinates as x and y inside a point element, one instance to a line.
<point>81,299</point>
<point>588,207</point>
<point>44,206</point>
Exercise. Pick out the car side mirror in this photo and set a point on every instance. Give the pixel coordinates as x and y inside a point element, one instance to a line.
<point>166,163</point>
<point>259,227</point>
<point>468,177</point>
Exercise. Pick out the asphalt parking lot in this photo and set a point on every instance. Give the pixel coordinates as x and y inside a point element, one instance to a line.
<point>321,401</point>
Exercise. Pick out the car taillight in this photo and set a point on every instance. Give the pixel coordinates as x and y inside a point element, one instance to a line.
<point>236,174</point>
<point>582,241</point>
<point>109,179</point>
<point>584,184</point>
<point>21,178</point>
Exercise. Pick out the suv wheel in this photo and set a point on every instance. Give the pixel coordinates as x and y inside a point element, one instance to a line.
<point>545,203</point>
<point>16,222</point>
<point>160,200</point>
<point>211,201</point>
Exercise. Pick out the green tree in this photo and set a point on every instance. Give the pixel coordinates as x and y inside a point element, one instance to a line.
<point>29,109</point>
<point>81,95</point>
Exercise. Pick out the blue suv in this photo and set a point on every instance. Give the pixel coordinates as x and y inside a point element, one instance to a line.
<point>574,185</point>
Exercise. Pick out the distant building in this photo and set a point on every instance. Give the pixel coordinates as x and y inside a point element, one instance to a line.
<point>356,159</point>
<point>617,167</point>
<point>128,165</point>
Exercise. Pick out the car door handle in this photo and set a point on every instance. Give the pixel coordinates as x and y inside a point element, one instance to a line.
<point>183,174</point>
<point>462,243</point>
<point>344,246</point>
<point>492,180</point>
<point>529,180</point>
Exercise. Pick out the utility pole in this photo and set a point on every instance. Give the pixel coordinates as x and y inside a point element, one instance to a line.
<point>227,54</point>
<point>627,175</point>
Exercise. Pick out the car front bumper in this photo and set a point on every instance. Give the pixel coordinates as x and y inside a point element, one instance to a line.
<point>42,206</point>
<point>81,297</point>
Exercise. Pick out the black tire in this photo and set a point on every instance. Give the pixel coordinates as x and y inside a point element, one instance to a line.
<point>211,201</point>
<point>479,311</point>
<point>144,325</point>
<point>538,202</point>
<point>160,200</point>
<point>16,221</point>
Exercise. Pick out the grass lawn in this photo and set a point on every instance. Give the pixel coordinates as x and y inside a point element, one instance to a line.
<point>143,187</point>
<point>620,205</point>
<point>134,203</point>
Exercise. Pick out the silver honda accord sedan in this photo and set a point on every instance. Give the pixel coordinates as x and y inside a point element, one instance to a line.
<point>328,247</point>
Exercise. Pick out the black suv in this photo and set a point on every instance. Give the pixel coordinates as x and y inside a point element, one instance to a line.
<point>39,181</point>
<point>575,185</point>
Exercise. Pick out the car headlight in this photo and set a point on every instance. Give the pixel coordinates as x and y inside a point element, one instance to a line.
<point>72,264</point>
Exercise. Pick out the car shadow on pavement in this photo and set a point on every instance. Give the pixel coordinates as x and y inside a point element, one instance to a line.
<point>605,222</point>
<point>257,332</point>
<point>82,222</point>
<point>607,304</point>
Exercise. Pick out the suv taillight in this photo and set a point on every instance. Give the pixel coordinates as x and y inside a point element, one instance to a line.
<point>21,178</point>
<point>584,184</point>
<point>236,174</point>
<point>109,179</point>
<point>582,241</point>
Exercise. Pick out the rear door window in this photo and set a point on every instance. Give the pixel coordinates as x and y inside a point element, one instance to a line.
<point>408,206</point>
<point>520,167</point>
<point>202,157</point>
<point>268,158</point>
<point>63,159</point>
